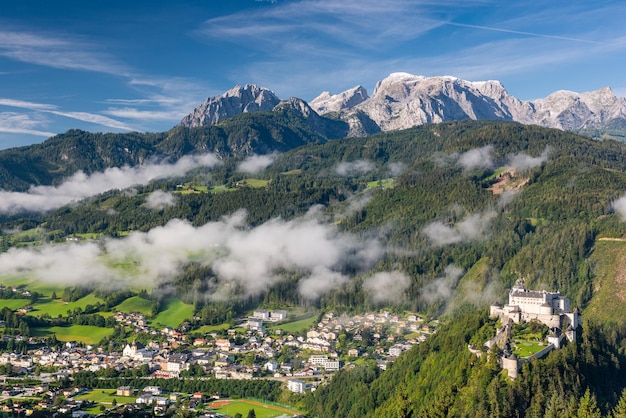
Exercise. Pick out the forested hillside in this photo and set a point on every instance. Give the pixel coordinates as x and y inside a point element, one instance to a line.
<point>248,133</point>
<point>462,209</point>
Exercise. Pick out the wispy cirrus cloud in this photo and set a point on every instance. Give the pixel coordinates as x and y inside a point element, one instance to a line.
<point>57,52</point>
<point>363,24</point>
<point>16,123</point>
<point>162,99</point>
<point>52,109</point>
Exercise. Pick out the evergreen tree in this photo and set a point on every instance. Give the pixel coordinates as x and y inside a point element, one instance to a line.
<point>620,408</point>
<point>588,407</point>
<point>556,407</point>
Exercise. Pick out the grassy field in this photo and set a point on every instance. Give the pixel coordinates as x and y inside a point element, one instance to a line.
<point>243,406</point>
<point>41,287</point>
<point>57,307</point>
<point>525,348</point>
<point>135,304</point>
<point>174,314</point>
<point>385,183</point>
<point>87,334</point>
<point>207,329</point>
<point>13,304</point>
<point>105,397</point>
<point>295,326</point>
<point>257,183</point>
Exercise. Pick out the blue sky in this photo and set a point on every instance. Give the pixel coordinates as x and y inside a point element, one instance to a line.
<point>119,65</point>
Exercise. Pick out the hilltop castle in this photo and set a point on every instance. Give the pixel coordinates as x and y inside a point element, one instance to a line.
<point>549,308</point>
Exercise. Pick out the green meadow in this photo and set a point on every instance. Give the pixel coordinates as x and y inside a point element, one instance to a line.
<point>105,397</point>
<point>88,334</point>
<point>174,314</point>
<point>295,326</point>
<point>135,304</point>
<point>207,329</point>
<point>256,183</point>
<point>243,407</point>
<point>57,307</point>
<point>384,183</point>
<point>13,304</point>
<point>526,348</point>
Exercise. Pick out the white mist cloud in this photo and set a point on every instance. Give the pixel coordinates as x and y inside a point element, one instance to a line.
<point>396,168</point>
<point>442,288</point>
<point>319,282</point>
<point>523,161</point>
<point>472,228</point>
<point>477,158</point>
<point>249,259</point>
<point>256,163</point>
<point>80,185</point>
<point>619,206</point>
<point>353,168</point>
<point>159,200</point>
<point>387,286</point>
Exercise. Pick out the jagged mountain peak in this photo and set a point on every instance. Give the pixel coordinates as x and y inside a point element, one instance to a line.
<point>239,99</point>
<point>325,102</point>
<point>403,100</point>
<point>297,105</point>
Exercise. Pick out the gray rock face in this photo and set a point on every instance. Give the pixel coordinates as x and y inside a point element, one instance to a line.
<point>249,98</point>
<point>326,103</point>
<point>405,100</point>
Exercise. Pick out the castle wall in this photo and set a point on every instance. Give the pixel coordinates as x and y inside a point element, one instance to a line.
<point>552,321</point>
<point>511,366</point>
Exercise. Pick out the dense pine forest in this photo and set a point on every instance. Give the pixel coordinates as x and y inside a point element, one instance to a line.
<point>463,209</point>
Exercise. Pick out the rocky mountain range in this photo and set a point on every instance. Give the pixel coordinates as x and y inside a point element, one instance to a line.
<point>404,100</point>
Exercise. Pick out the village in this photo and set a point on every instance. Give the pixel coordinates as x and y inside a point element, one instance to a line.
<point>301,361</point>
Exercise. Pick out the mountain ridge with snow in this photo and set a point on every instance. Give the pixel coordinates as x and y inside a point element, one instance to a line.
<point>404,100</point>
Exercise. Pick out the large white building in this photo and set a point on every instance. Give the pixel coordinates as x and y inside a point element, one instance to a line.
<point>549,308</point>
<point>298,386</point>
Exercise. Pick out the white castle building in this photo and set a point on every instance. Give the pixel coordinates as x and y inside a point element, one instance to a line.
<point>549,308</point>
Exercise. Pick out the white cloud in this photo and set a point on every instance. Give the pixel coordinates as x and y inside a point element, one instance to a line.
<point>162,99</point>
<point>472,228</point>
<point>354,168</point>
<point>385,287</point>
<point>477,158</point>
<point>159,199</point>
<point>256,163</point>
<point>320,281</point>
<point>16,123</point>
<point>56,52</point>
<point>359,23</point>
<point>442,288</point>
<point>80,185</point>
<point>619,206</point>
<point>249,259</point>
<point>52,109</point>
<point>524,161</point>
<point>396,168</point>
